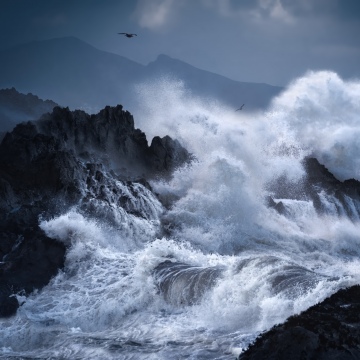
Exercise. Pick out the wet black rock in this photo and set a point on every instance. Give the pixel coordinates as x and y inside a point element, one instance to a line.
<point>330,330</point>
<point>165,152</point>
<point>111,137</point>
<point>321,187</point>
<point>33,260</point>
<point>327,331</point>
<point>346,192</point>
<point>65,159</point>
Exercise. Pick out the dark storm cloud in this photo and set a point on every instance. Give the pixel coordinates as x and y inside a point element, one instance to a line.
<point>156,13</point>
<point>27,20</point>
<point>349,9</point>
<point>280,39</point>
<point>336,9</point>
<point>250,40</point>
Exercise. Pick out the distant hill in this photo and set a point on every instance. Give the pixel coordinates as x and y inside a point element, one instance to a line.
<point>16,107</point>
<point>69,71</point>
<point>76,74</point>
<point>205,83</point>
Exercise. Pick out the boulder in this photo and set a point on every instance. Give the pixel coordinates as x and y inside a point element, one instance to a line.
<point>327,331</point>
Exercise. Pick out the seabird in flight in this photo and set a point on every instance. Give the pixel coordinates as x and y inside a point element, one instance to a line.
<point>240,108</point>
<point>128,35</point>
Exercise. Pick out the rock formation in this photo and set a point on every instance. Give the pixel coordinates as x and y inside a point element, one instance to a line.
<point>331,329</point>
<point>65,159</point>
<point>327,331</point>
<point>328,194</point>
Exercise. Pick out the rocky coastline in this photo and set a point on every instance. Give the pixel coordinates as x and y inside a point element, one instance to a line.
<point>70,158</point>
<point>61,160</point>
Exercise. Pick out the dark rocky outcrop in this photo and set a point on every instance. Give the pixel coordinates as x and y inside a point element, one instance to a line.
<point>110,136</point>
<point>331,329</point>
<point>327,331</point>
<point>321,187</point>
<point>16,107</point>
<point>65,159</point>
<point>320,178</point>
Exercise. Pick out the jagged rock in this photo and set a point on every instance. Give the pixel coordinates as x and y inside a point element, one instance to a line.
<point>278,206</point>
<point>100,163</point>
<point>33,260</point>
<point>165,153</point>
<point>327,331</point>
<point>8,301</point>
<point>318,182</point>
<point>110,136</point>
<point>330,330</point>
<point>319,177</point>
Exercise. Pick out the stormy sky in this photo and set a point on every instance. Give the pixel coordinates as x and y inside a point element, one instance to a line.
<point>270,41</point>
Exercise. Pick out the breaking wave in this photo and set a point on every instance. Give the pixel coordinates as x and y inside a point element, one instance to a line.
<point>226,265</point>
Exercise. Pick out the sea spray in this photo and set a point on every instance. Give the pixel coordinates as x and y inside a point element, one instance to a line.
<point>323,112</point>
<point>108,301</point>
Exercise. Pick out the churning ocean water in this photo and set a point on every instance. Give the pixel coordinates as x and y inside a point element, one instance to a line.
<point>228,267</point>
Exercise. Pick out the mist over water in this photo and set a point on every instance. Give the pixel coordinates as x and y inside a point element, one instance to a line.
<point>235,267</point>
<point>323,111</point>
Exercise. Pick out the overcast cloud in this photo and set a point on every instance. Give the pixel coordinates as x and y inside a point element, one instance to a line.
<point>271,41</point>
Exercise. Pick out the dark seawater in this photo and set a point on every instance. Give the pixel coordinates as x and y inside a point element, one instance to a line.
<point>231,267</point>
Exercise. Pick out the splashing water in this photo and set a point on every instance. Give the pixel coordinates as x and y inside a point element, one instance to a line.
<point>230,267</point>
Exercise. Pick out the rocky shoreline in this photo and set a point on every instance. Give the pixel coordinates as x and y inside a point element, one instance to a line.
<point>327,331</point>
<point>69,158</point>
<point>64,159</point>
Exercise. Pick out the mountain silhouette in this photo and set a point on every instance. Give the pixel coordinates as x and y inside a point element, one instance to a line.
<point>205,83</point>
<point>75,74</point>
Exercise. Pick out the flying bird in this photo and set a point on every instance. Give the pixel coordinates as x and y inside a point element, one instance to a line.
<point>240,108</point>
<point>128,35</point>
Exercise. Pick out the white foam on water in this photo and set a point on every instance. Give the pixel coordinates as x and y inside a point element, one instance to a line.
<point>106,303</point>
<point>323,111</point>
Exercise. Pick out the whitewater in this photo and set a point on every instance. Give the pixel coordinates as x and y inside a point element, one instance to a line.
<point>209,266</point>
